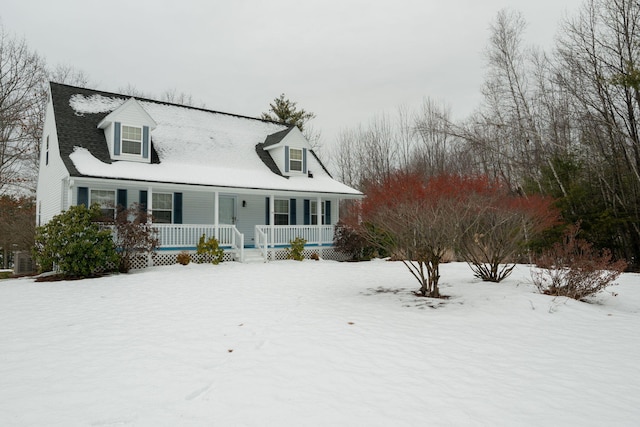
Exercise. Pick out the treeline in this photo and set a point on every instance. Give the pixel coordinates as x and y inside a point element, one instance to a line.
<point>563,123</point>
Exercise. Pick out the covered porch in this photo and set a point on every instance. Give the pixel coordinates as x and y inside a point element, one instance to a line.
<point>246,222</point>
<point>268,238</point>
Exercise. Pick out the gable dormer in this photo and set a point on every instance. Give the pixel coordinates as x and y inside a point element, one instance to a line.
<point>289,150</point>
<point>127,130</point>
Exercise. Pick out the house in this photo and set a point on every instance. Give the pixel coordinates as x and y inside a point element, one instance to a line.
<point>253,184</point>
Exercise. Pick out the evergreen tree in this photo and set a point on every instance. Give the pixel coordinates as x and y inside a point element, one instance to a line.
<point>283,110</point>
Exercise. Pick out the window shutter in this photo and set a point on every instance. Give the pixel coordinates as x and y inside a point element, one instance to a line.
<point>177,208</point>
<point>122,198</point>
<point>145,142</point>
<point>286,158</point>
<point>327,212</point>
<point>143,200</point>
<point>292,212</point>
<point>116,138</point>
<point>266,212</point>
<point>304,160</point>
<point>307,212</point>
<point>83,196</point>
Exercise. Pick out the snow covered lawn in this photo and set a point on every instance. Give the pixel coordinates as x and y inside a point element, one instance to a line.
<point>314,344</point>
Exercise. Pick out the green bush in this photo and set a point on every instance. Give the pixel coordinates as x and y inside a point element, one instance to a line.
<point>210,249</point>
<point>76,245</point>
<point>296,249</point>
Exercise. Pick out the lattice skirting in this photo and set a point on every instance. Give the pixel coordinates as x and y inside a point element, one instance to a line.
<point>170,258</point>
<point>309,253</point>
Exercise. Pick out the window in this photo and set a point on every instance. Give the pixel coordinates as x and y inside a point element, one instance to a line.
<point>131,140</point>
<point>281,212</point>
<point>107,201</point>
<point>295,159</point>
<point>162,207</point>
<point>46,162</point>
<point>314,215</point>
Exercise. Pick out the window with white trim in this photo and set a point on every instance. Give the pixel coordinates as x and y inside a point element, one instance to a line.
<point>107,201</point>
<point>162,207</point>
<point>281,212</point>
<point>295,159</point>
<point>314,215</point>
<point>131,140</point>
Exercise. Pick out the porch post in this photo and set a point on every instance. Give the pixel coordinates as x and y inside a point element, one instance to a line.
<point>216,213</point>
<point>149,219</point>
<point>272,216</point>
<point>149,203</point>
<point>319,222</point>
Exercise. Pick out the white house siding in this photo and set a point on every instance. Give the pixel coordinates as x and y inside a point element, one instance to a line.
<point>250,215</point>
<point>198,207</point>
<point>130,115</point>
<point>52,176</point>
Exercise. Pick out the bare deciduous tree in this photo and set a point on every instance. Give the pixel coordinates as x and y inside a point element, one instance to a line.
<point>21,74</point>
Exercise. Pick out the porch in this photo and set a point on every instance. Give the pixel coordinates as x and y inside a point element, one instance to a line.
<point>268,238</point>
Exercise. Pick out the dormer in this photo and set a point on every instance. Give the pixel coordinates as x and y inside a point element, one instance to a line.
<point>288,149</point>
<point>127,130</point>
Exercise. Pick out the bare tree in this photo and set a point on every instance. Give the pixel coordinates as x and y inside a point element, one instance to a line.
<point>598,63</point>
<point>21,75</point>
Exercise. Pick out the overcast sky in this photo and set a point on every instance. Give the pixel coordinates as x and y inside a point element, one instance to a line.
<point>346,61</point>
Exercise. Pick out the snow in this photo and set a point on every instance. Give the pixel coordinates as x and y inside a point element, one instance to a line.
<point>314,344</point>
<point>200,147</point>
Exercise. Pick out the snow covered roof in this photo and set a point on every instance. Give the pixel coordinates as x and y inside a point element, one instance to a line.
<point>189,146</point>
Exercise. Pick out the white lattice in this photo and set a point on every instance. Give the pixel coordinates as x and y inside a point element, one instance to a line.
<point>170,258</point>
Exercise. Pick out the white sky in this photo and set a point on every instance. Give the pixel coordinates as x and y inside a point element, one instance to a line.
<point>346,61</point>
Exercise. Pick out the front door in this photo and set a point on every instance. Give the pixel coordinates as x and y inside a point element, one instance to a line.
<point>227,212</point>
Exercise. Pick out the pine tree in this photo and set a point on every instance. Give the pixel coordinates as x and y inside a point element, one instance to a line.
<point>283,110</point>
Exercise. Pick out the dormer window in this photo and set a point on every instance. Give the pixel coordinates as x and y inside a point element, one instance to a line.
<point>295,160</point>
<point>131,140</point>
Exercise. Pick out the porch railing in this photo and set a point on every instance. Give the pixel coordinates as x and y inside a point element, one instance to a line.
<point>261,242</point>
<point>279,235</point>
<point>188,235</point>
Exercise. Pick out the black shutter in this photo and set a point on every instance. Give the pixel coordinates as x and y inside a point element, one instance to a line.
<point>177,208</point>
<point>266,212</point>
<point>145,142</point>
<point>327,212</point>
<point>122,199</point>
<point>116,138</point>
<point>286,158</point>
<point>83,196</point>
<point>144,200</point>
<point>292,212</point>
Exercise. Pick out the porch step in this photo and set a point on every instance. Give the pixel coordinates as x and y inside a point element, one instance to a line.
<point>253,256</point>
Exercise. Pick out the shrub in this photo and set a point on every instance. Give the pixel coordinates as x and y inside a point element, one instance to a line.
<point>348,241</point>
<point>75,244</point>
<point>295,252</point>
<point>415,220</point>
<point>210,249</point>
<point>184,258</point>
<point>134,236</point>
<point>573,268</point>
<point>496,227</point>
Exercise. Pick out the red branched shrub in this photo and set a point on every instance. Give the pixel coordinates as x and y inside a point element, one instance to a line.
<point>573,268</point>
